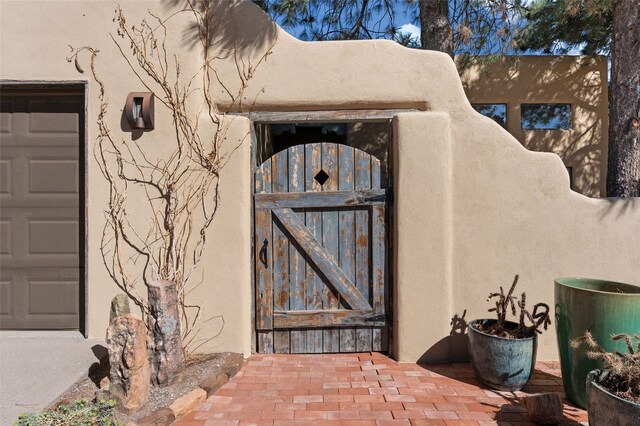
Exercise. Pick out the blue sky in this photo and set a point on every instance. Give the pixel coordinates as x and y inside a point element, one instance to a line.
<point>407,24</point>
<point>405,21</point>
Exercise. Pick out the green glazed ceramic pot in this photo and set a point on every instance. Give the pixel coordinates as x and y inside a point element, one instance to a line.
<point>604,308</point>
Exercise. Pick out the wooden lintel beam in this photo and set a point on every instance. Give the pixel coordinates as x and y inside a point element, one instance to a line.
<point>335,116</point>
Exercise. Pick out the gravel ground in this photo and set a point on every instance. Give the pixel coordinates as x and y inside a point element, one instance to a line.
<point>198,369</point>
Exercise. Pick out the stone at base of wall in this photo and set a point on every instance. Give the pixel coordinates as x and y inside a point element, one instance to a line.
<point>188,402</point>
<point>212,383</point>
<point>161,417</point>
<point>167,415</point>
<point>230,366</point>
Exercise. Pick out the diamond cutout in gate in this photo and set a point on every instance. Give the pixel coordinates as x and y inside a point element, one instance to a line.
<point>321,177</point>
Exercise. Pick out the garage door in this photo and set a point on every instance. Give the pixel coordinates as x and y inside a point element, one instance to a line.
<point>40,209</point>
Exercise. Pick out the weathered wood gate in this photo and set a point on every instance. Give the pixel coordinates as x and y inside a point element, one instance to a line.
<point>320,251</point>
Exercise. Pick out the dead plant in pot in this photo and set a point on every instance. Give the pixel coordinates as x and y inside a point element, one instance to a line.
<point>613,394</point>
<point>503,353</point>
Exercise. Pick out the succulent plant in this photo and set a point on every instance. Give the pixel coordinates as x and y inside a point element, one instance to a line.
<point>505,302</point>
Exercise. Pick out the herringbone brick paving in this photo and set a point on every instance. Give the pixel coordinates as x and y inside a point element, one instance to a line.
<point>367,389</point>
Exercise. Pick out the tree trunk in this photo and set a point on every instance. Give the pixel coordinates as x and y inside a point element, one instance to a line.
<point>435,31</point>
<point>623,176</point>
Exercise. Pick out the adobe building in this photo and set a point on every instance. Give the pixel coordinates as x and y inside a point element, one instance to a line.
<point>363,203</point>
<point>553,104</point>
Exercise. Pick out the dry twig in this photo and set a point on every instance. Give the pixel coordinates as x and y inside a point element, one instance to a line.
<point>623,378</point>
<point>161,206</point>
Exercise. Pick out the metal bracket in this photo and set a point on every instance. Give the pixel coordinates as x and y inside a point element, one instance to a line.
<point>377,318</point>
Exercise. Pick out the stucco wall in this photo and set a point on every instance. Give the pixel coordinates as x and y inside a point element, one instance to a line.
<point>578,81</point>
<point>473,207</point>
<point>222,286</point>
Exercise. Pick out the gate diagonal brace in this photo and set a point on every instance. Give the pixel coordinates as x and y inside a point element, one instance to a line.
<point>322,259</point>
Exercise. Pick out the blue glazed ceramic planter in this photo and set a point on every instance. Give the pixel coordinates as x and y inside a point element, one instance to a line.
<point>501,363</point>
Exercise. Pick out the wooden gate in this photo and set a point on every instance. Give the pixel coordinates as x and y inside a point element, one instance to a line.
<point>320,251</point>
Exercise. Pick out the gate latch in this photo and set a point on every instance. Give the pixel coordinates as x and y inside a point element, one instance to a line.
<point>262,255</point>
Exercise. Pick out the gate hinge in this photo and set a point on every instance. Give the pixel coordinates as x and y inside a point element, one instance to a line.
<point>376,199</point>
<point>387,197</point>
<point>377,318</point>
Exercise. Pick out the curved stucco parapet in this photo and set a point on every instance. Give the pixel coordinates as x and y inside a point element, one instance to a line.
<point>299,75</point>
<point>369,74</point>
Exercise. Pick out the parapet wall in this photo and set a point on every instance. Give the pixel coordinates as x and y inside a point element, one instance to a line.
<point>579,81</point>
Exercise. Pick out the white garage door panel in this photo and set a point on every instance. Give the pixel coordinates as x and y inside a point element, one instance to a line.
<point>53,297</point>
<point>40,177</point>
<point>5,297</point>
<point>39,238</point>
<point>46,123</point>
<point>5,123</point>
<point>39,298</point>
<point>53,237</point>
<point>5,176</point>
<point>5,242</point>
<point>65,169</point>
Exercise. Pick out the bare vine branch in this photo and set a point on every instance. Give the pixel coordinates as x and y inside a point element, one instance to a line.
<point>162,204</point>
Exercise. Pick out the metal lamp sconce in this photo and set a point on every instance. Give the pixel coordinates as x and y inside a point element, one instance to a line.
<point>139,110</point>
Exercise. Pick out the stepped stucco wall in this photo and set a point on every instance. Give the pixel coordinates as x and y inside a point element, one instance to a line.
<point>472,206</point>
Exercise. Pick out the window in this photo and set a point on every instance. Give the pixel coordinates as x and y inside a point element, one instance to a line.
<point>546,116</point>
<point>496,112</point>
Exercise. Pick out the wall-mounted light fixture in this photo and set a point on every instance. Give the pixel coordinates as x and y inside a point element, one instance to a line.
<point>139,110</point>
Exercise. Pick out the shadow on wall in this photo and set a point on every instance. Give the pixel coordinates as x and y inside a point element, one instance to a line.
<point>372,138</point>
<point>452,348</point>
<point>230,27</point>
<point>623,207</point>
<point>578,81</point>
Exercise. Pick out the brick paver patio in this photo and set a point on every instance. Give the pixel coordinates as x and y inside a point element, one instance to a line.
<point>367,389</point>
